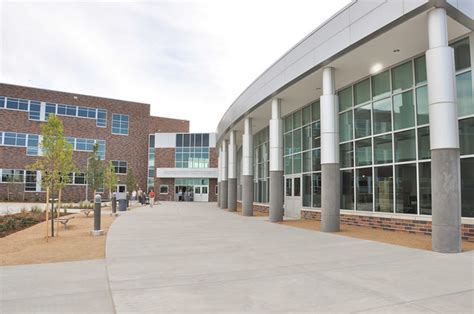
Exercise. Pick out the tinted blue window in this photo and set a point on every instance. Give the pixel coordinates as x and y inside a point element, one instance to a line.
<point>35,108</point>
<point>71,110</point>
<point>32,147</point>
<point>62,109</point>
<point>20,139</point>
<point>23,105</point>
<point>80,144</point>
<point>12,103</point>
<point>9,138</point>
<point>119,124</point>
<point>82,112</point>
<point>91,113</point>
<point>2,102</point>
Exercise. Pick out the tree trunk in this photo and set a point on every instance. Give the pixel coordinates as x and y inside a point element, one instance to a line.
<point>59,209</point>
<point>52,216</point>
<point>46,212</point>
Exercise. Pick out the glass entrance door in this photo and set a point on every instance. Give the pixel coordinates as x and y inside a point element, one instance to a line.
<point>293,196</point>
<point>201,193</point>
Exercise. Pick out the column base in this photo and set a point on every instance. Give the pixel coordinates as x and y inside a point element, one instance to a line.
<point>223,193</point>
<point>276,196</point>
<point>232,195</point>
<point>330,202</point>
<point>96,233</point>
<point>247,195</point>
<point>446,200</point>
<point>219,194</point>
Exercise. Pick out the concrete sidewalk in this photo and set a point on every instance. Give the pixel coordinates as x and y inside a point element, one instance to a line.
<point>80,287</point>
<point>183,257</point>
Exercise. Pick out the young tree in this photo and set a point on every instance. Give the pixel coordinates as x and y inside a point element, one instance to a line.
<point>110,177</point>
<point>56,162</point>
<point>95,170</point>
<point>131,181</point>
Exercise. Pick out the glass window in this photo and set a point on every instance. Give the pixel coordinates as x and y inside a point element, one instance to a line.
<point>120,124</point>
<point>30,181</point>
<point>297,141</point>
<point>12,103</point>
<point>381,85</point>
<point>288,123</point>
<point>20,139</point>
<point>205,140</point>
<point>364,189</point>
<point>347,189</point>
<point>405,146</point>
<point>424,151</point>
<point>35,109</point>
<point>466,136</point>
<point>345,99</point>
<point>382,116</point>
<point>297,163</point>
<point>288,165</point>
<point>61,109</point>
<point>425,188</point>
<point>307,115</point>
<point>363,152</point>
<point>307,162</point>
<point>101,118</point>
<point>81,144</point>
<point>422,105</point>
<point>9,138</point>
<point>71,110</point>
<point>120,167</point>
<point>384,189</point>
<point>467,187</point>
<point>50,109</point>
<point>362,92</point>
<point>317,189</point>
<point>402,77</point>
<point>316,134</point>
<point>383,149</point>
<point>345,126</point>
<point>405,189</point>
<point>363,121</point>
<point>2,102</point>
<point>464,94</point>
<point>346,155</point>
<point>23,105</point>
<point>32,147</point>
<point>315,110</point>
<point>316,160</point>
<point>288,143</point>
<point>297,119</point>
<point>403,110</point>
<point>420,70</point>
<point>82,112</point>
<point>79,178</point>
<point>163,189</point>
<point>307,137</point>
<point>307,190</point>
<point>462,54</point>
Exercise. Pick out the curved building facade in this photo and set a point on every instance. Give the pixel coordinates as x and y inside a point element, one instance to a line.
<point>368,120</point>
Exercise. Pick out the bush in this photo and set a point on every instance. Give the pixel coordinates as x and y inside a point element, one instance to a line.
<point>35,209</point>
<point>10,224</point>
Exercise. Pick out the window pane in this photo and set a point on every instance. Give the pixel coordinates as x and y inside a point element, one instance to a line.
<point>307,137</point>
<point>464,94</point>
<point>306,115</point>
<point>297,163</point>
<point>288,143</point>
<point>382,116</point>
<point>383,149</point>
<point>307,162</point>
<point>346,155</point>
<point>405,189</point>
<point>316,154</point>
<point>307,190</point>
<point>425,188</point>
<point>364,189</point>
<point>402,77</point>
<point>345,99</point>
<point>424,151</point>
<point>467,187</point>
<point>384,189</point>
<point>363,121</point>
<point>364,152</point>
<point>347,189</point>
<point>288,123</point>
<point>297,141</point>
<point>315,111</point>
<point>462,54</point>
<point>405,148</point>
<point>316,189</point>
<point>420,70</point>
<point>289,187</point>
<point>362,92</point>
<point>297,119</point>
<point>345,126</point>
<point>381,85</point>
<point>288,165</point>
<point>403,110</point>
<point>466,136</point>
<point>316,134</point>
<point>422,105</point>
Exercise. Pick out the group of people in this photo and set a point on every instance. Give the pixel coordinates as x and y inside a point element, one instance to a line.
<point>142,197</point>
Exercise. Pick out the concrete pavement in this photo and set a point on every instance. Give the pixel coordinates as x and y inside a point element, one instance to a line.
<point>194,257</point>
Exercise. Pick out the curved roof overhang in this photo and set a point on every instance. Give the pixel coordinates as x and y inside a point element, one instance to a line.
<point>365,31</point>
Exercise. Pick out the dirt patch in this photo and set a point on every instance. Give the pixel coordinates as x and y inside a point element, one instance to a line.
<point>255,213</point>
<point>29,246</point>
<point>417,241</point>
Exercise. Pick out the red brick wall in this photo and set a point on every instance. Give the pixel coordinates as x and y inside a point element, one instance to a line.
<point>132,148</point>
<point>170,183</point>
<point>212,190</point>
<point>393,224</point>
<point>164,158</point>
<point>213,157</point>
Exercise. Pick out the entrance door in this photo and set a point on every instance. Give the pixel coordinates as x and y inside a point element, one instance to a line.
<point>121,191</point>
<point>293,196</point>
<point>201,193</point>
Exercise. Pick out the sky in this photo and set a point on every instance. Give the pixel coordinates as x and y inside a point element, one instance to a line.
<point>187,59</point>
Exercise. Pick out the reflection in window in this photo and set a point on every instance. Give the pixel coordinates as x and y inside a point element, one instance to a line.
<point>362,92</point>
<point>345,126</point>
<point>381,85</point>
<point>464,94</point>
<point>307,190</point>
<point>405,189</point>
<point>384,189</point>
<point>347,189</point>
<point>316,189</point>
<point>425,188</point>
<point>403,110</point>
<point>383,149</point>
<point>382,116</point>
<point>405,146</point>
<point>402,77</point>
<point>363,152</point>
<point>422,105</point>
<point>364,189</point>
<point>362,120</point>
<point>424,151</point>
<point>346,155</point>
<point>467,187</point>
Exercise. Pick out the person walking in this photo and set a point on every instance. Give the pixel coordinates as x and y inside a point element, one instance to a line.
<point>152,197</point>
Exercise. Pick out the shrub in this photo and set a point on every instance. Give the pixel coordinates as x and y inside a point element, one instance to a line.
<point>10,224</point>
<point>35,209</point>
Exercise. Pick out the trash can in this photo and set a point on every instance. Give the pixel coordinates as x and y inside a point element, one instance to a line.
<point>122,205</point>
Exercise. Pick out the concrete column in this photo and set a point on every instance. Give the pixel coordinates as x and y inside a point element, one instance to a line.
<point>444,137</point>
<point>276,163</point>
<point>219,170</point>
<point>247,169</point>
<point>232,172</point>
<point>330,203</point>
<point>223,191</point>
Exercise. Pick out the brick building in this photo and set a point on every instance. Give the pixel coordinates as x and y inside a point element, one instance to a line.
<point>122,129</point>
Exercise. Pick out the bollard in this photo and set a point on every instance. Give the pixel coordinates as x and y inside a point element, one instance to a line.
<point>97,208</point>
<point>114,204</point>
